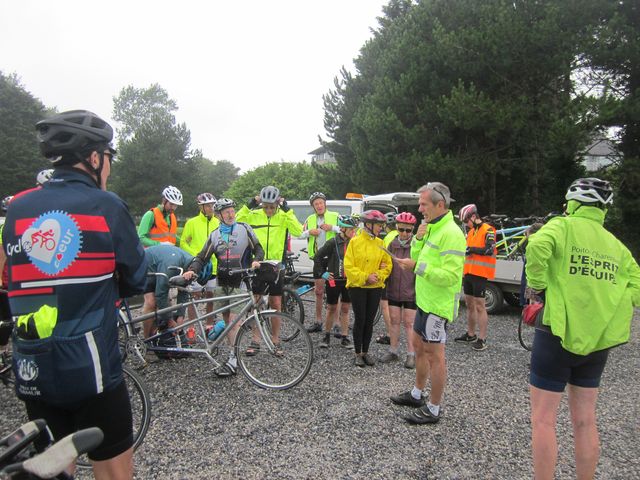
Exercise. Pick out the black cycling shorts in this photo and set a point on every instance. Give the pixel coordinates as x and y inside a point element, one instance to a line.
<point>408,304</point>
<point>383,295</point>
<point>338,292</point>
<point>552,367</point>
<point>110,411</point>
<point>259,286</point>
<point>474,285</point>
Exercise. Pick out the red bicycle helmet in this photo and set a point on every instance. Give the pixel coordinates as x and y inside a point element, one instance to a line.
<point>373,216</point>
<point>467,211</point>
<point>406,217</point>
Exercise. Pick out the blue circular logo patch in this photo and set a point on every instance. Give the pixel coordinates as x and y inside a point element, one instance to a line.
<point>52,242</point>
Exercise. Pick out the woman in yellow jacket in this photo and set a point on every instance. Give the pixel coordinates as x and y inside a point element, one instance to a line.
<point>366,266</point>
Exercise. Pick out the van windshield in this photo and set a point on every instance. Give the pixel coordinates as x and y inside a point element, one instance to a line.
<point>303,211</point>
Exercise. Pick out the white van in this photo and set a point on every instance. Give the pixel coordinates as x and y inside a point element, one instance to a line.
<point>386,202</point>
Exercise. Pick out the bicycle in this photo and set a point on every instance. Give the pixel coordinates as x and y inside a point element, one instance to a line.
<point>19,458</point>
<point>138,394</point>
<point>267,362</point>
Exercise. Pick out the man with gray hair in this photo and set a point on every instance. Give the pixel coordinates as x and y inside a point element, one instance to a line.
<point>437,258</point>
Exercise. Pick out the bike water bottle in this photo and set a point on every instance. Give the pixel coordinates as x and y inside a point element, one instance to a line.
<point>304,289</point>
<point>216,330</point>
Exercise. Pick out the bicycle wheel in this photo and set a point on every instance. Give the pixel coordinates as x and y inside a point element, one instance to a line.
<point>140,410</point>
<point>266,367</point>
<point>525,334</point>
<point>292,304</point>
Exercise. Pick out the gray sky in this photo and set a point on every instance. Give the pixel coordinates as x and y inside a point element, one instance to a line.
<point>248,76</point>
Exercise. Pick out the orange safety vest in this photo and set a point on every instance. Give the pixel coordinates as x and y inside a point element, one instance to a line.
<point>480,265</point>
<point>161,232</point>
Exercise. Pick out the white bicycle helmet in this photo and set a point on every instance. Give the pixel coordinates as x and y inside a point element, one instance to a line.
<point>590,190</point>
<point>205,198</point>
<point>173,195</point>
<point>223,203</point>
<point>44,176</point>
<point>269,194</point>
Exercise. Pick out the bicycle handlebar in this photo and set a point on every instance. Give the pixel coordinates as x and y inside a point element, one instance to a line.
<point>20,438</point>
<point>60,455</point>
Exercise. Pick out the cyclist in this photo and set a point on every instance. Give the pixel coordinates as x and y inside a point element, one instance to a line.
<point>387,235</point>
<point>195,233</point>
<point>67,327</point>
<point>159,224</point>
<point>161,259</point>
<point>5,311</point>
<point>367,266</point>
<point>236,246</point>
<point>437,258</point>
<point>44,176</point>
<point>272,223</point>
<point>328,265</point>
<point>401,291</point>
<point>479,266</point>
<point>589,283</point>
<point>318,228</point>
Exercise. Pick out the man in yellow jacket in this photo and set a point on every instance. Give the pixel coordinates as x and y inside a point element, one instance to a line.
<point>195,233</point>
<point>437,258</point>
<point>589,283</point>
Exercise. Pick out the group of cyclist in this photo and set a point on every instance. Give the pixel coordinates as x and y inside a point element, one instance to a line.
<point>63,291</point>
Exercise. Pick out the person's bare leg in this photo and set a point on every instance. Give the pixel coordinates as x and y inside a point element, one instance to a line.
<point>395,314</point>
<point>408,317</point>
<point>422,361</point>
<point>275,302</point>
<point>344,318</point>
<point>384,306</point>
<point>332,313</point>
<point>438,371</point>
<point>481,317</point>
<point>116,468</point>
<point>149,306</point>
<point>544,445</point>
<point>582,405</point>
<point>319,292</point>
<point>471,314</point>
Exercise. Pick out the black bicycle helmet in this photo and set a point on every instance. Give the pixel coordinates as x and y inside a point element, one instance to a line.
<point>590,190</point>
<point>72,132</point>
<point>269,194</point>
<point>316,195</point>
<point>5,203</point>
<point>223,203</point>
<point>347,221</point>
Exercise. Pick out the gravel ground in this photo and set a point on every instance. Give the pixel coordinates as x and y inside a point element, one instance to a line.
<point>339,422</point>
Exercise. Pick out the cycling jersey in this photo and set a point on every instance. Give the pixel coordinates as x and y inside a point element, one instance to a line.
<point>271,231</point>
<point>591,281</point>
<point>235,247</point>
<point>195,233</point>
<point>72,251</point>
<point>159,259</point>
<point>439,257</point>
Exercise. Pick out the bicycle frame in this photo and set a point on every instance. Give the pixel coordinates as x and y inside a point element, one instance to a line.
<point>246,299</point>
<point>508,244</point>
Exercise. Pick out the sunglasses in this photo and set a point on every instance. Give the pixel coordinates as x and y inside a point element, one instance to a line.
<point>431,186</point>
<point>405,230</point>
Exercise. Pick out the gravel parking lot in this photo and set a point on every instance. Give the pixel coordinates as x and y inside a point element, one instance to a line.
<point>339,422</point>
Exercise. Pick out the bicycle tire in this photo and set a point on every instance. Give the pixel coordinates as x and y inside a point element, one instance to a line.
<point>267,370</point>
<point>525,334</point>
<point>140,410</point>
<point>292,304</point>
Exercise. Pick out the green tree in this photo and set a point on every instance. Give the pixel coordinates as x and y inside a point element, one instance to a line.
<point>478,94</point>
<point>20,157</point>
<point>154,150</point>
<point>295,181</point>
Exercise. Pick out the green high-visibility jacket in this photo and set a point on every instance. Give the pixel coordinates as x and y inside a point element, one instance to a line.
<point>330,218</point>
<point>195,233</point>
<point>271,231</point>
<point>439,258</point>
<point>591,281</point>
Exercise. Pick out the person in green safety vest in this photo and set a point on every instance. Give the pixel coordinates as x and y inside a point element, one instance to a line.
<point>320,226</point>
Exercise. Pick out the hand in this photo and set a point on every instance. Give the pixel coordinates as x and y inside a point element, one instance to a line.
<point>188,275</point>
<point>327,276</point>
<point>422,230</point>
<point>255,265</point>
<point>315,232</point>
<point>280,200</point>
<point>406,263</point>
<point>468,252</point>
<point>257,198</point>
<point>326,227</point>
<point>373,278</point>
<point>533,295</point>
